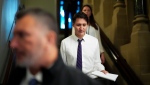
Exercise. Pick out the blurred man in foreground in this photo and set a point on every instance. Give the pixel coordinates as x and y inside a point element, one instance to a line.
<point>35,45</point>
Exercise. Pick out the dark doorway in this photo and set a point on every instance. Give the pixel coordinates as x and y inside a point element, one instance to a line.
<point>66,10</point>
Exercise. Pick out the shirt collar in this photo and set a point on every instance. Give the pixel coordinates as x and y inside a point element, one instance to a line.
<point>38,76</point>
<point>76,38</point>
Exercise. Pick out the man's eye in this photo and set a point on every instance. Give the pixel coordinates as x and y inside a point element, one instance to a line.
<point>78,24</point>
<point>21,34</point>
<point>84,24</point>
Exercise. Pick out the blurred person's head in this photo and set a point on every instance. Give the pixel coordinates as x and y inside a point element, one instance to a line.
<point>87,9</point>
<point>80,21</point>
<point>34,38</point>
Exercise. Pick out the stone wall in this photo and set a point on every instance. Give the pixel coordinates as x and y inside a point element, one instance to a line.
<point>131,39</point>
<point>48,5</point>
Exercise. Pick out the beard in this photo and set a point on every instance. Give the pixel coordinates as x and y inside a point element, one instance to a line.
<point>31,56</point>
<point>30,60</point>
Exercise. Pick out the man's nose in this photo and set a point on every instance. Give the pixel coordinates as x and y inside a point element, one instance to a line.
<point>81,27</point>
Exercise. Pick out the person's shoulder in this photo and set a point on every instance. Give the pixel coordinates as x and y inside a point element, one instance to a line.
<point>79,77</point>
<point>67,38</point>
<point>91,38</point>
<point>16,75</point>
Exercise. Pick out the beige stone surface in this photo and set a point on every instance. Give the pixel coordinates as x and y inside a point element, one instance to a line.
<point>48,5</point>
<point>119,32</point>
<point>148,10</point>
<point>120,80</point>
<point>137,52</point>
<point>131,39</point>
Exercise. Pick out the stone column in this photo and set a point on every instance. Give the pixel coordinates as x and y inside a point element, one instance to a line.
<point>141,21</point>
<point>120,3</point>
<point>119,33</point>
<point>137,52</point>
<point>140,14</point>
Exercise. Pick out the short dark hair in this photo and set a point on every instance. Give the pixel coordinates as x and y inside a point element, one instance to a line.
<point>41,15</point>
<point>80,15</point>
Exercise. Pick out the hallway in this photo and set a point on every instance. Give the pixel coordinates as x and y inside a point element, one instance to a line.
<point>124,31</point>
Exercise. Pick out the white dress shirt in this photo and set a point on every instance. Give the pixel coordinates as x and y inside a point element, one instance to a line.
<point>29,76</point>
<point>90,53</point>
<point>95,33</point>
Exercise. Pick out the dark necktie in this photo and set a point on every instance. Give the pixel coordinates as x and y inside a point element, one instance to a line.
<point>79,55</point>
<point>33,82</point>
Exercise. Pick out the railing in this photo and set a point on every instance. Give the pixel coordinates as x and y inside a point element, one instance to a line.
<point>10,57</point>
<point>121,64</point>
<point>9,66</point>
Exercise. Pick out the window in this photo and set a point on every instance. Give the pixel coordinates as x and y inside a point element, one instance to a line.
<point>62,14</point>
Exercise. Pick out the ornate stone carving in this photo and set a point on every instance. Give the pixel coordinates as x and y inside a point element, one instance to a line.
<point>119,3</point>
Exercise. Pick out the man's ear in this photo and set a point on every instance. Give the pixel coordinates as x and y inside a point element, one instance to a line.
<point>52,37</point>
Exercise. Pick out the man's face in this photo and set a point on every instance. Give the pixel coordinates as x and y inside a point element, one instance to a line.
<point>80,26</point>
<point>28,42</point>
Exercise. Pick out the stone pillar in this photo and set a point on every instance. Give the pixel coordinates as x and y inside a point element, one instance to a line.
<point>120,3</point>
<point>103,17</point>
<point>119,33</point>
<point>137,52</point>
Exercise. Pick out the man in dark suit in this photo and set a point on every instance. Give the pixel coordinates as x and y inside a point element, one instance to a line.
<point>35,45</point>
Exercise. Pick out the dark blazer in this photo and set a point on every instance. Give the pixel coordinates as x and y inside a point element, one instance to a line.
<point>58,74</point>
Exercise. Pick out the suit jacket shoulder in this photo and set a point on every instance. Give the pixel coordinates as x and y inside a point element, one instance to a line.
<point>76,77</point>
<point>58,74</point>
<point>16,76</point>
